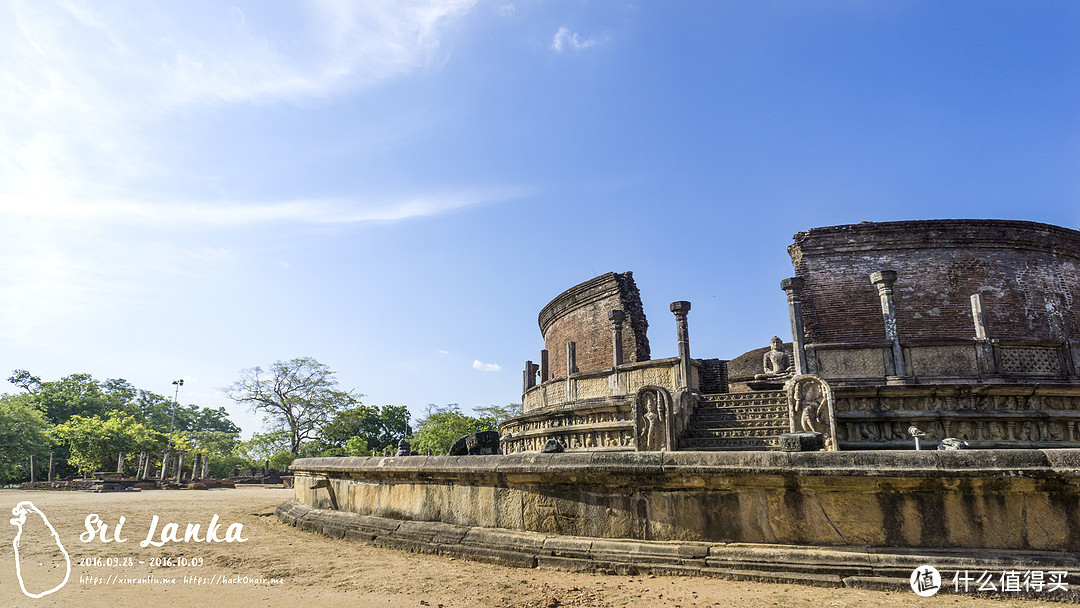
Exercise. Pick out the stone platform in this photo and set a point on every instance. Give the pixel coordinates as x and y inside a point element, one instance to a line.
<point>844,566</point>
<point>978,499</point>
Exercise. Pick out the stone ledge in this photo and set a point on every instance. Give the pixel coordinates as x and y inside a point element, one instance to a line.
<point>885,568</point>
<point>573,467</point>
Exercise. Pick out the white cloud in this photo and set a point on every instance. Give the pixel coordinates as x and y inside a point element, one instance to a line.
<point>485,367</point>
<point>86,87</point>
<point>564,39</point>
<point>320,211</point>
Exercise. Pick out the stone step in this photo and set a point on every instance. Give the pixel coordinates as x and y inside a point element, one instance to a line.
<point>755,426</point>
<point>733,397</point>
<point>741,443</point>
<point>758,433</point>
<point>741,412</point>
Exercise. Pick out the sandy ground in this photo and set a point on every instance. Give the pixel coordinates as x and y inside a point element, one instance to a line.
<point>279,565</point>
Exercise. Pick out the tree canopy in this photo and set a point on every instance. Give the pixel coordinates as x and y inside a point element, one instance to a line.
<point>298,397</point>
<point>443,425</point>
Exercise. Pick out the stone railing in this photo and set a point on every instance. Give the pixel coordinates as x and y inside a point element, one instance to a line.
<point>946,361</point>
<point>621,381</point>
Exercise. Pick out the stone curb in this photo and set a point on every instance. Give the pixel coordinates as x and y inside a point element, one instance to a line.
<point>854,567</point>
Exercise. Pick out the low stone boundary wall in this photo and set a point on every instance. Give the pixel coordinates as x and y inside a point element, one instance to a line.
<point>861,567</point>
<point>1002,500</point>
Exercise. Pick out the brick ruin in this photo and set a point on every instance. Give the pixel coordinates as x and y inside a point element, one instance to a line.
<point>960,329</point>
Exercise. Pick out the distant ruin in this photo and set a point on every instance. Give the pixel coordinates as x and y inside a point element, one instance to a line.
<point>965,329</point>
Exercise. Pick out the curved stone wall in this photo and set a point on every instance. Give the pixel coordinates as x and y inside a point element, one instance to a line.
<point>1028,275</point>
<point>1006,500</point>
<point>580,315</point>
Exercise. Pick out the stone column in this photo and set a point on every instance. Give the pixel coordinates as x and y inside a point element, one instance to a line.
<point>681,308</point>
<point>33,468</point>
<point>978,316</point>
<point>146,468</point>
<point>616,317</point>
<point>884,280</point>
<point>526,377</point>
<point>793,286</point>
<point>205,466</point>
<point>164,464</point>
<point>180,467</point>
<point>120,463</point>
<point>196,465</point>
<point>571,358</point>
<point>543,365</point>
<point>52,466</point>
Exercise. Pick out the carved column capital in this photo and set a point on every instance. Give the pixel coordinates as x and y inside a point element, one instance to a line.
<point>793,285</point>
<point>616,317</point>
<point>884,279</point>
<point>680,308</point>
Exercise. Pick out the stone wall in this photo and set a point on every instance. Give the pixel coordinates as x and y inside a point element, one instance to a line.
<point>1014,500</point>
<point>1027,273</point>
<point>580,315</point>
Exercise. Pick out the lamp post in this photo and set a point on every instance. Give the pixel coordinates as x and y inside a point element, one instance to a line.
<point>172,417</point>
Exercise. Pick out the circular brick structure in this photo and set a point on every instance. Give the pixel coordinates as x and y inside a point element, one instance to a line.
<point>1027,274</point>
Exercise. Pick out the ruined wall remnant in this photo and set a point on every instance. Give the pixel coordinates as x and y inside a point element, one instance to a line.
<point>580,315</point>
<point>1027,273</point>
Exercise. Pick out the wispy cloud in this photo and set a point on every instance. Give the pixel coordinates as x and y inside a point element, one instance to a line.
<point>485,367</point>
<point>86,86</point>
<point>565,39</point>
<point>325,211</point>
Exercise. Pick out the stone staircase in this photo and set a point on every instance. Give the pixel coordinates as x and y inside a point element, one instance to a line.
<point>737,421</point>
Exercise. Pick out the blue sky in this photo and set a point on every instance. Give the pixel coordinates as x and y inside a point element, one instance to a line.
<point>396,189</point>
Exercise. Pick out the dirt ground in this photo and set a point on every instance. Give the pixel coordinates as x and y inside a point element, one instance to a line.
<point>278,565</point>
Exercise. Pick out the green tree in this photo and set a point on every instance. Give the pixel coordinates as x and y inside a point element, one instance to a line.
<point>23,432</point>
<point>499,413</point>
<point>94,442</point>
<point>272,446</point>
<point>297,396</point>
<point>443,425</point>
<point>376,426</point>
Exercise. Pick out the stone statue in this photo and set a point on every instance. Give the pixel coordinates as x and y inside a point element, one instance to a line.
<point>651,411</point>
<point>810,403</point>
<point>777,361</point>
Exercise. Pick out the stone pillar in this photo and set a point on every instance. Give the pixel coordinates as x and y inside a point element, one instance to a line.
<point>120,463</point>
<point>884,280</point>
<point>529,376</point>
<point>571,358</point>
<point>139,472</point>
<point>543,365</point>
<point>196,466</point>
<point>180,467</point>
<point>266,466</point>
<point>146,468</point>
<point>164,465</point>
<point>33,468</point>
<point>52,466</point>
<point>205,466</point>
<point>978,316</point>
<point>616,317</point>
<point>793,286</point>
<point>681,308</point>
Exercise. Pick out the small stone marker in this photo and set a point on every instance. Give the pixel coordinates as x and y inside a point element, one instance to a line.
<point>803,441</point>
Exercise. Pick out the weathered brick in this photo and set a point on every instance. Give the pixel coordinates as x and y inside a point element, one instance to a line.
<point>1028,274</point>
